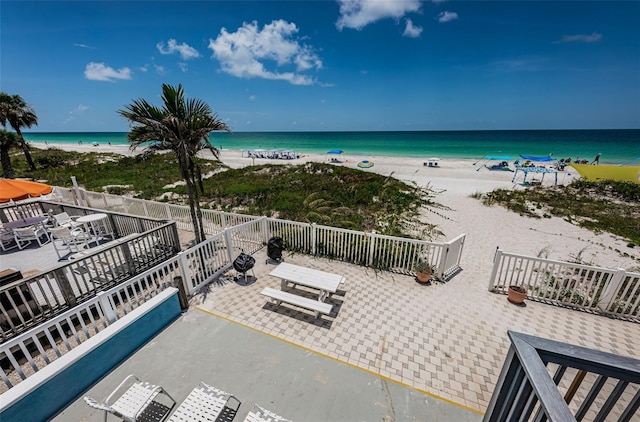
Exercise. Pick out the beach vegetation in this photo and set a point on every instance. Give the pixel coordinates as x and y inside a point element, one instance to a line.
<point>8,140</point>
<point>183,127</point>
<point>314,192</point>
<point>599,206</point>
<point>18,114</point>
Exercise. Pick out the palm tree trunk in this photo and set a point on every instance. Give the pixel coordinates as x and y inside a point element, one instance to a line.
<point>5,159</point>
<point>25,149</point>
<point>196,178</point>
<point>192,193</point>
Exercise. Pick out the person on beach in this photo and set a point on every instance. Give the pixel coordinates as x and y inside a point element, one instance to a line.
<point>597,159</point>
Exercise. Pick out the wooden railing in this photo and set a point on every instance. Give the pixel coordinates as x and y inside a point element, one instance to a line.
<point>546,380</point>
<point>28,302</point>
<point>605,291</point>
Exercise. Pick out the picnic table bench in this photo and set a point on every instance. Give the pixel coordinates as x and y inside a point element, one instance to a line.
<point>281,296</point>
<point>327,283</point>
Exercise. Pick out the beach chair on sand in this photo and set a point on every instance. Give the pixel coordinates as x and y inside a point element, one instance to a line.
<point>137,403</point>
<point>206,403</point>
<point>260,414</point>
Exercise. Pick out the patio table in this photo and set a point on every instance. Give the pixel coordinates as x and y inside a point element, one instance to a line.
<point>326,282</point>
<point>25,222</point>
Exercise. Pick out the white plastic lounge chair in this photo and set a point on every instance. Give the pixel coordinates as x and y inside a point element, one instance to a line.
<point>7,240</point>
<point>205,403</point>
<point>64,219</point>
<point>260,414</point>
<point>136,403</point>
<point>25,235</point>
<point>66,239</point>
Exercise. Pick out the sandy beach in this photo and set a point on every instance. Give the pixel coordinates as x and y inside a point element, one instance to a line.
<point>487,228</point>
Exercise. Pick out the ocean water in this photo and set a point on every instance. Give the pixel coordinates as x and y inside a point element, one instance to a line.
<point>616,146</point>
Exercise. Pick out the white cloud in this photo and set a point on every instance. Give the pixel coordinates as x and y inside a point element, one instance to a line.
<point>186,51</point>
<point>412,31</point>
<point>75,112</point>
<point>357,14</point>
<point>183,66</point>
<point>82,46</point>
<point>243,53</point>
<point>252,97</point>
<point>101,72</point>
<point>447,17</point>
<point>144,68</point>
<point>594,37</point>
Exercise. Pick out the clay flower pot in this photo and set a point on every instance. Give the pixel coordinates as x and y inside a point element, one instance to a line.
<point>517,294</point>
<point>424,277</point>
<point>423,271</point>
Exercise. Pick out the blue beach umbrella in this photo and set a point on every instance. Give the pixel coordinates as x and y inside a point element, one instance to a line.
<point>335,151</point>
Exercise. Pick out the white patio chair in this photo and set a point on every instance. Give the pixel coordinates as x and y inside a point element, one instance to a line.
<point>206,403</point>
<point>65,220</point>
<point>70,240</point>
<point>25,235</point>
<point>260,414</point>
<point>7,240</point>
<point>136,403</point>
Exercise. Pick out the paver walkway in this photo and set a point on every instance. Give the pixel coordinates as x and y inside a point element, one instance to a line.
<point>448,340</point>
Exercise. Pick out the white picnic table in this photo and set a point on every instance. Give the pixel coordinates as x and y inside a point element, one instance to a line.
<point>326,282</point>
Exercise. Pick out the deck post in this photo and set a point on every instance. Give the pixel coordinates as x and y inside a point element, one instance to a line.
<point>610,290</point>
<point>65,287</point>
<point>182,292</point>
<point>105,303</point>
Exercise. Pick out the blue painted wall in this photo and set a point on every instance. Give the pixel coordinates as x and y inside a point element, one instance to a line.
<point>54,395</point>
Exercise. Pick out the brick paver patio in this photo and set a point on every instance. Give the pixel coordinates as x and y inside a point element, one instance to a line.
<point>447,339</point>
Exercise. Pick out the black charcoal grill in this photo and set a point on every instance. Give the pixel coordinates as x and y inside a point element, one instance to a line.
<point>244,263</point>
<point>274,249</point>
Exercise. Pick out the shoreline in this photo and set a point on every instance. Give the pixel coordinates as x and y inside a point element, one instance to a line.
<point>486,227</point>
<point>448,173</point>
<point>616,146</point>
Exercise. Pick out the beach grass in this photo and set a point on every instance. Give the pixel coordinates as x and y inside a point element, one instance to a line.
<point>312,192</point>
<point>608,206</point>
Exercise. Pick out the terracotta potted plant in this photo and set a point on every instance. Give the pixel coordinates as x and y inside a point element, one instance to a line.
<point>517,294</point>
<point>423,271</point>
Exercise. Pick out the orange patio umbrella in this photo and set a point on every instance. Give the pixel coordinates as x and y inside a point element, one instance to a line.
<point>15,190</point>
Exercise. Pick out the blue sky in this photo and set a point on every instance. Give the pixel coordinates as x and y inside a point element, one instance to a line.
<point>329,65</point>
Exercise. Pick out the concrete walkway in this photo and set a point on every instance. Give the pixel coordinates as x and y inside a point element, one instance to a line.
<point>258,368</point>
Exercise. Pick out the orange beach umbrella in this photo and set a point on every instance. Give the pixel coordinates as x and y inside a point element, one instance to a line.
<point>15,190</point>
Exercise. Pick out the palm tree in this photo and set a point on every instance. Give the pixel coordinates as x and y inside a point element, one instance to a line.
<point>182,126</point>
<point>8,140</point>
<point>18,113</point>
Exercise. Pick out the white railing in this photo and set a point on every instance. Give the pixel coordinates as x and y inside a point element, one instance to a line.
<point>599,290</point>
<point>51,339</point>
<point>368,249</point>
<point>26,302</point>
<point>206,261</point>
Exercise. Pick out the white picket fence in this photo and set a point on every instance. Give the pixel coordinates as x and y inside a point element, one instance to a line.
<point>605,291</point>
<point>368,249</point>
